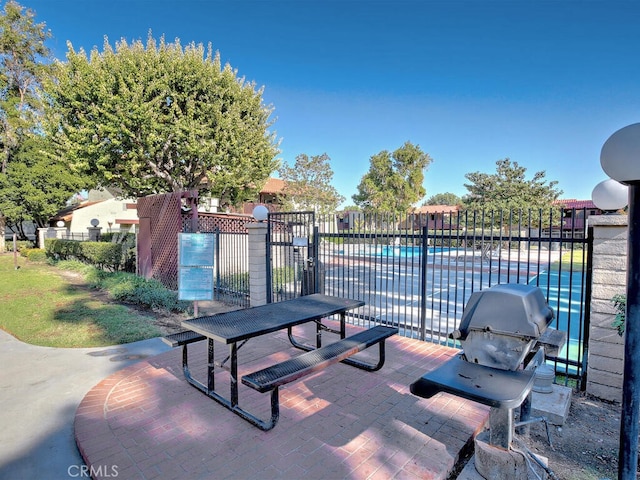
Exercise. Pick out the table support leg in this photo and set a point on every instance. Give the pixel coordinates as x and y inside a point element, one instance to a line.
<point>368,366</point>
<point>233,353</point>
<point>318,334</point>
<point>320,327</point>
<point>231,404</point>
<point>185,361</point>
<point>343,333</point>
<point>211,382</point>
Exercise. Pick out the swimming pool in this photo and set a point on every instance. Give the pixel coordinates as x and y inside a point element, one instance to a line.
<point>397,251</point>
<point>405,251</point>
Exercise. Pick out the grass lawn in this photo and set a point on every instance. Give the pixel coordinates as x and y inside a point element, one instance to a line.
<point>40,307</point>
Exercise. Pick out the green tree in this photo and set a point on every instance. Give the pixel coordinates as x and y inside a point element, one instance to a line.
<point>508,189</point>
<point>351,208</point>
<point>159,118</point>
<point>394,180</point>
<point>23,66</point>
<point>36,185</point>
<point>308,185</point>
<point>443,199</point>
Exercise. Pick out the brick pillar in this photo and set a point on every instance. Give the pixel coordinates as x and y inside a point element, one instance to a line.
<point>606,347</point>
<point>257,263</point>
<point>42,234</point>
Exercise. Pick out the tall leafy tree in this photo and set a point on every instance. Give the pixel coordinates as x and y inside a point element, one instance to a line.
<point>394,180</point>
<point>509,188</point>
<point>23,66</point>
<point>157,117</point>
<point>443,199</point>
<point>308,185</point>
<point>36,185</point>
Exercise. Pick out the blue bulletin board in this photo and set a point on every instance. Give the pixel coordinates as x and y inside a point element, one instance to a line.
<point>196,254</point>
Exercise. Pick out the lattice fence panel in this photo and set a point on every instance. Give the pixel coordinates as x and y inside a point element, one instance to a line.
<point>165,222</point>
<point>225,223</point>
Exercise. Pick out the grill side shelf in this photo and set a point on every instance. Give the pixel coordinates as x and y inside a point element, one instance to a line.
<point>489,386</point>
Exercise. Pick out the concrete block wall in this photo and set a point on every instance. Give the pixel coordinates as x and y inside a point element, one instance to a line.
<point>606,347</point>
<point>257,261</point>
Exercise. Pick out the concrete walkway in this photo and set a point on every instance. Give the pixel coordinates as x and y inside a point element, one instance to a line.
<point>40,390</point>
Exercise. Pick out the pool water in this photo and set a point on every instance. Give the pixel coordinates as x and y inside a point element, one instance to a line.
<point>402,251</point>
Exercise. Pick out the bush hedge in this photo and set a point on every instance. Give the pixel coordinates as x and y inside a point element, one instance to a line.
<point>34,254</point>
<point>20,245</point>
<point>103,255</point>
<point>148,293</point>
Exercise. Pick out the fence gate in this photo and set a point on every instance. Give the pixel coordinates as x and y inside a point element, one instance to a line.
<point>292,253</point>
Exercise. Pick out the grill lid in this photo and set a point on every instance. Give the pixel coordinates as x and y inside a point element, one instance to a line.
<point>502,324</point>
<point>509,309</point>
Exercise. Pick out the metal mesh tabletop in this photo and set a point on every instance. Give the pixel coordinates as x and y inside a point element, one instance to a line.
<point>239,325</point>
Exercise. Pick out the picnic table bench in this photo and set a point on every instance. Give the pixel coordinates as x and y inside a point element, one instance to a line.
<point>239,326</point>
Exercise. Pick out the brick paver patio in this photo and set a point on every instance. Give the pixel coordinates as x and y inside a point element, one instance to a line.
<point>147,422</point>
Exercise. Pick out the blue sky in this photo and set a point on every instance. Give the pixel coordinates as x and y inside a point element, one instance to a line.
<point>544,83</point>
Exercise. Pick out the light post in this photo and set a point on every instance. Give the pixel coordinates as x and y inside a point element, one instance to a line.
<point>610,196</point>
<point>260,213</point>
<point>620,159</point>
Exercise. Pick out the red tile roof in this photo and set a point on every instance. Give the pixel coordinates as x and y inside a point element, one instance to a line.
<point>273,185</point>
<point>435,209</point>
<point>573,203</point>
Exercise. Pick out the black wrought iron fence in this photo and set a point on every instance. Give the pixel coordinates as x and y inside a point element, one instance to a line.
<point>232,268</point>
<point>417,272</point>
<point>291,255</point>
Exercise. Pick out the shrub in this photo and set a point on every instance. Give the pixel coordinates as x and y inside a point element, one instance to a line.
<point>20,245</point>
<point>59,249</point>
<point>130,288</point>
<point>235,282</point>
<point>34,254</point>
<point>620,304</point>
<point>104,255</point>
<point>128,249</point>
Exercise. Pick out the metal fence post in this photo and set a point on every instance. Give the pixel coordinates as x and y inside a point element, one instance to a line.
<point>423,283</point>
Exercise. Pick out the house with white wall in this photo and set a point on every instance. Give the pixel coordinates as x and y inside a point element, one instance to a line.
<point>113,214</point>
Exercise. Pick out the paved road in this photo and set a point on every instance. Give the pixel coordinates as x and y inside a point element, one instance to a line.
<point>40,389</point>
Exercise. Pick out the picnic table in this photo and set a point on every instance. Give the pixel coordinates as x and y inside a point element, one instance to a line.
<point>236,327</point>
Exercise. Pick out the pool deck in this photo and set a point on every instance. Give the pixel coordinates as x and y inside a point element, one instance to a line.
<point>146,422</point>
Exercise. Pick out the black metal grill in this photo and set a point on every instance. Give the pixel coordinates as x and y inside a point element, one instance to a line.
<point>503,333</point>
<point>500,326</point>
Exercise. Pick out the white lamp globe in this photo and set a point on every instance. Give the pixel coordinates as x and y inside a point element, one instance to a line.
<point>60,224</point>
<point>620,155</point>
<point>610,195</point>
<point>260,213</point>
